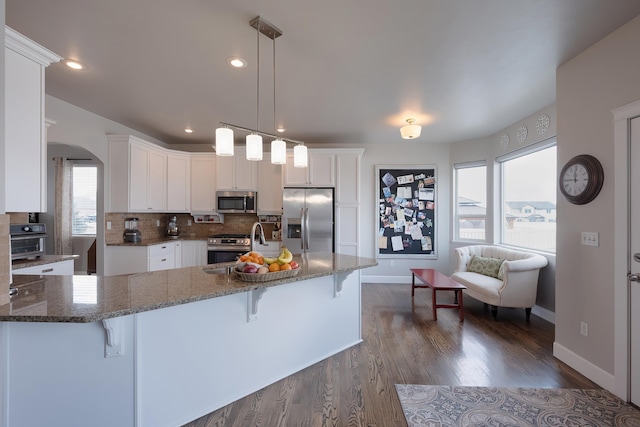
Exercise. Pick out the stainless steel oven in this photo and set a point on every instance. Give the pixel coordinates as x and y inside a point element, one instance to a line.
<point>27,240</point>
<point>227,247</point>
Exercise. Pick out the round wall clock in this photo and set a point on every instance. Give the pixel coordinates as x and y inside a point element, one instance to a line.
<point>581,179</point>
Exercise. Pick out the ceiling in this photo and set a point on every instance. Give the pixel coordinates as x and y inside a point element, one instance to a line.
<point>348,72</point>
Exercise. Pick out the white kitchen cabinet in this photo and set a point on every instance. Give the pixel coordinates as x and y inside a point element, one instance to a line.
<point>25,154</point>
<point>236,172</point>
<point>194,252</point>
<point>203,183</point>
<point>319,173</point>
<point>138,175</point>
<point>269,188</point>
<point>141,259</point>
<point>60,268</point>
<point>178,182</point>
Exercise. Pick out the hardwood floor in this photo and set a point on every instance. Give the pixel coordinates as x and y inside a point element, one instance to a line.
<point>402,344</point>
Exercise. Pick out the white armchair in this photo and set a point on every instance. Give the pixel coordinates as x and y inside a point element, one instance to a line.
<point>517,284</point>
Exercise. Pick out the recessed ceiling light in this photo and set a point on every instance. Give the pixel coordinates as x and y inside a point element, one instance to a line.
<point>188,130</point>
<point>281,129</point>
<point>237,62</point>
<point>73,64</point>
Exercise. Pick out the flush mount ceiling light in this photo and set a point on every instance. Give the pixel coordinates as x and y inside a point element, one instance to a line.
<point>410,131</point>
<point>74,65</point>
<point>188,130</point>
<point>237,62</point>
<point>224,135</point>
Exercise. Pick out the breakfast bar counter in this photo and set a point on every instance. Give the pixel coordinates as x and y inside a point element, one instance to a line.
<point>164,348</point>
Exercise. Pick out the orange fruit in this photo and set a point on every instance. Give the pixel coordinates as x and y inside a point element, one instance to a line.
<point>274,267</point>
<point>286,266</point>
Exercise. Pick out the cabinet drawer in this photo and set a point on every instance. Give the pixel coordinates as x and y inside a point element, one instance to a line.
<point>163,249</point>
<point>61,268</point>
<point>161,262</point>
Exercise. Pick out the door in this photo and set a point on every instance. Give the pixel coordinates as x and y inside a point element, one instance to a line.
<point>634,261</point>
<point>319,220</point>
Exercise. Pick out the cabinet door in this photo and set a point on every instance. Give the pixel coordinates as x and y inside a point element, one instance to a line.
<point>225,170</point>
<point>178,183</point>
<point>25,147</point>
<point>322,169</point>
<point>245,172</point>
<point>203,183</point>
<point>269,188</point>
<point>138,173</point>
<point>293,176</point>
<point>157,181</point>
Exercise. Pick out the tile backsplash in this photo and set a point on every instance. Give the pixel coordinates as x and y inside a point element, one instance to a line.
<point>5,259</point>
<point>149,228</point>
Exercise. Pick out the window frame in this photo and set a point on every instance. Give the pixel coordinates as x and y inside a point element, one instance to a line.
<point>501,160</point>
<point>456,221</point>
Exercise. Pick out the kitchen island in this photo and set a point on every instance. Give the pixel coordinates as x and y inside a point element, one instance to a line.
<point>164,348</point>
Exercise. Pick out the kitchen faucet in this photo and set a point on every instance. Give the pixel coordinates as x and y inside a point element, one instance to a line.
<point>253,235</point>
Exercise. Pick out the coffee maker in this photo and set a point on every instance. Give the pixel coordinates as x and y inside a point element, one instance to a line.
<point>131,232</point>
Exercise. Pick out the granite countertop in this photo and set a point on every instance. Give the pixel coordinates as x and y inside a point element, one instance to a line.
<point>83,299</point>
<point>158,241</point>
<point>41,260</point>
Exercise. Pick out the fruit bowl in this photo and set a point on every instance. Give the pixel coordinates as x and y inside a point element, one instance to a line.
<point>265,277</point>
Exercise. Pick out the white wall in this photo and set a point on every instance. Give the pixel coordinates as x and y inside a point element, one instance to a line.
<point>589,86</point>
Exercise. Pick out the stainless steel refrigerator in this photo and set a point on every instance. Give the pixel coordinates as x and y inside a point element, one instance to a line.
<point>307,220</point>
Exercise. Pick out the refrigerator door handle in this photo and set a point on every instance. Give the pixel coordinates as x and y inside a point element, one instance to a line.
<point>303,229</point>
<point>306,228</point>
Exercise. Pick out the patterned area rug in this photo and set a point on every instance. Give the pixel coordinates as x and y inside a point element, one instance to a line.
<point>425,405</point>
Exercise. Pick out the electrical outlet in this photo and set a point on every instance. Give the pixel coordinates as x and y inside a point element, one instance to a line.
<point>157,223</point>
<point>108,225</point>
<point>589,238</point>
<point>584,328</point>
<point>392,263</point>
<point>189,222</point>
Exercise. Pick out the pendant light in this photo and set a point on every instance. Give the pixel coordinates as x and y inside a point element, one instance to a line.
<point>278,146</point>
<point>224,141</point>
<point>300,158</point>
<point>253,140</point>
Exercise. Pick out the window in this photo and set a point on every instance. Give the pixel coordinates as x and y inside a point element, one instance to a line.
<point>84,190</point>
<point>529,197</point>
<point>471,195</point>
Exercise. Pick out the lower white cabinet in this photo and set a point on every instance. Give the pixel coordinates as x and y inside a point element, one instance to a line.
<point>163,256</point>
<point>60,268</point>
<point>194,252</point>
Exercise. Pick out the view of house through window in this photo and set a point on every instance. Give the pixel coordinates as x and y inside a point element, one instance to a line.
<point>471,192</point>
<point>529,199</point>
<point>84,200</point>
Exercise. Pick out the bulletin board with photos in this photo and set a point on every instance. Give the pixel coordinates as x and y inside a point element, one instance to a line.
<point>406,211</point>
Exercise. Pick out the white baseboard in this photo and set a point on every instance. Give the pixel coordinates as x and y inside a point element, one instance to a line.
<point>543,313</point>
<point>596,374</point>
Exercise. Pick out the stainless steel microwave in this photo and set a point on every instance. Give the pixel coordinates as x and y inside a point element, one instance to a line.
<point>236,201</point>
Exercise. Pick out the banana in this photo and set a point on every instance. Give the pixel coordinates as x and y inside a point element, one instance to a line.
<point>270,261</point>
<point>285,256</point>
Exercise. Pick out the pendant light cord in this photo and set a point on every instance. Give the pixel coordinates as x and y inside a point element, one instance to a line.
<point>258,78</point>
<point>275,129</point>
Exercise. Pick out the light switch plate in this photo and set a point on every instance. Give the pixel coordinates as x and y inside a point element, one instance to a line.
<point>590,238</point>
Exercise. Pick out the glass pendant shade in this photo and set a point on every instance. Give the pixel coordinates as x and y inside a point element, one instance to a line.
<point>254,147</point>
<point>410,131</point>
<point>278,152</point>
<point>300,159</point>
<point>224,142</point>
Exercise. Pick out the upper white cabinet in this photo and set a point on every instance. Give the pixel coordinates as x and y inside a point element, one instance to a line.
<point>203,182</point>
<point>178,182</point>
<point>269,188</point>
<point>320,173</point>
<point>138,175</point>
<point>236,172</point>
<point>25,138</point>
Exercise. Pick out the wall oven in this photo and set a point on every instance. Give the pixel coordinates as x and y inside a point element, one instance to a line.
<point>236,201</point>
<point>27,240</point>
<point>227,247</point>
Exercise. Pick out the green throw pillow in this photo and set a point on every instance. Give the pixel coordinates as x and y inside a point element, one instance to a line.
<point>485,265</point>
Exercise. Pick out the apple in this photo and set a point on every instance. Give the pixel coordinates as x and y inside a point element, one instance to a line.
<point>294,265</point>
<point>250,269</point>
